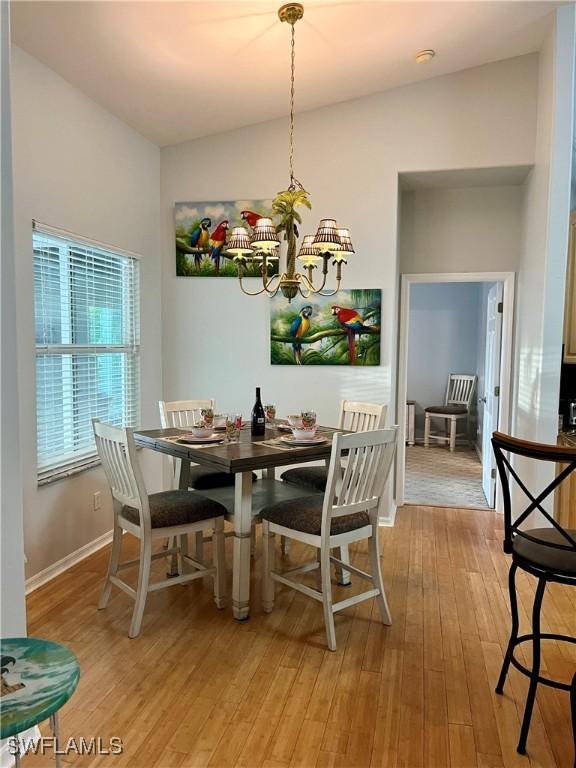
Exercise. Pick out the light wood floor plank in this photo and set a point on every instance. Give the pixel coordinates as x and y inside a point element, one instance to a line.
<point>198,689</point>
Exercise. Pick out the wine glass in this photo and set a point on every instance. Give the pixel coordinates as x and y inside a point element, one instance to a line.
<point>308,419</point>
<point>270,411</point>
<point>207,415</point>
<point>233,426</point>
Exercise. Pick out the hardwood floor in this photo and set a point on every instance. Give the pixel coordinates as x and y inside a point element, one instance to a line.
<point>199,689</point>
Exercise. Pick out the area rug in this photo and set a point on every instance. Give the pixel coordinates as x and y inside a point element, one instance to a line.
<point>437,477</point>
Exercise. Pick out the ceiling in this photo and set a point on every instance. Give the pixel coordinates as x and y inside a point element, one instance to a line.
<point>179,70</point>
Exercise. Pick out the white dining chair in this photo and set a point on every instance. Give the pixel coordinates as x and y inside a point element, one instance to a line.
<point>181,414</point>
<point>347,513</point>
<point>169,514</point>
<point>354,417</point>
<point>456,407</point>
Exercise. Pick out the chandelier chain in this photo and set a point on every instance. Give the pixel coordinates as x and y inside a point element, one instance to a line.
<point>294,182</point>
<point>292,71</point>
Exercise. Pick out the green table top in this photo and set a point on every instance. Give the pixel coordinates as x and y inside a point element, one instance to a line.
<point>47,674</point>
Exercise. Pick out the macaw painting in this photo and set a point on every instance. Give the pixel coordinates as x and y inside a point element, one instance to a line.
<point>343,329</point>
<point>201,234</point>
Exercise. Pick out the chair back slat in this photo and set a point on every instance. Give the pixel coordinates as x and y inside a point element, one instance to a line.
<point>504,447</point>
<point>117,452</point>
<point>360,486</point>
<point>180,413</point>
<point>460,389</point>
<point>361,417</point>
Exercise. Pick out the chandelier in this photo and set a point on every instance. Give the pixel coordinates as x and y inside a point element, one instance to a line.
<point>261,246</point>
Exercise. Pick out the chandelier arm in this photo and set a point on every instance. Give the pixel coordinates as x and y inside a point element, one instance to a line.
<point>265,289</point>
<point>324,278</point>
<point>305,280</point>
<point>338,281</point>
<point>332,292</point>
<point>320,290</point>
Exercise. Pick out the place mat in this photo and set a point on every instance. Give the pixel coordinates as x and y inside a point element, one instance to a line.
<point>177,439</point>
<point>276,442</point>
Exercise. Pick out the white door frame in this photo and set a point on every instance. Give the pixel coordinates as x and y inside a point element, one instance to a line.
<point>504,411</point>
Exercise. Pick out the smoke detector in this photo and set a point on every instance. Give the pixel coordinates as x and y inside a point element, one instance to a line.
<point>423,57</point>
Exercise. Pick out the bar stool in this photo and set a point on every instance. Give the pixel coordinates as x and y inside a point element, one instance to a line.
<point>548,554</point>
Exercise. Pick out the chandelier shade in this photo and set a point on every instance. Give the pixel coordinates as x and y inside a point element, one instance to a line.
<point>308,249</point>
<point>239,244</point>
<point>346,247</point>
<point>264,235</point>
<point>327,237</point>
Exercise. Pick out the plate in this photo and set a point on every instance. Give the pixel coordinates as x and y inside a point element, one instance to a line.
<point>292,440</point>
<point>284,427</point>
<point>191,439</point>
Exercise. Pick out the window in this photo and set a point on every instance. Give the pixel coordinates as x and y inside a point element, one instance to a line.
<point>87,347</point>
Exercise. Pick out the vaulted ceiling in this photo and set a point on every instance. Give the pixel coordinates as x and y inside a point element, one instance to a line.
<point>179,70</point>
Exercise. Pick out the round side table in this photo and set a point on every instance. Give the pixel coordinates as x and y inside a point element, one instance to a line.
<point>38,677</point>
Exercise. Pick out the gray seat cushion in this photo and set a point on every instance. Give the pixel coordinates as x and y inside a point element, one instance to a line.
<point>561,561</point>
<point>176,508</point>
<point>447,410</point>
<point>204,478</point>
<point>306,515</point>
<point>312,478</point>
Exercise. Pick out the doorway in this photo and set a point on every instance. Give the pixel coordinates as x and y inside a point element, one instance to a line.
<point>457,323</point>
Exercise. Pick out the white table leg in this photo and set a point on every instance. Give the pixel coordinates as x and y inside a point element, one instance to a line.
<point>242,535</point>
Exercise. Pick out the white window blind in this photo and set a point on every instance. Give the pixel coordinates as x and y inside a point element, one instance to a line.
<point>87,347</point>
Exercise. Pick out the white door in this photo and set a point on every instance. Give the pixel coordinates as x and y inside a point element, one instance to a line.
<point>491,396</point>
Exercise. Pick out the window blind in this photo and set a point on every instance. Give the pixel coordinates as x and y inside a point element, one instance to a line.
<point>87,327</point>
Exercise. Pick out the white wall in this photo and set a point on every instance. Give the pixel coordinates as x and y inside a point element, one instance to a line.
<point>13,618</point>
<point>442,339</point>
<point>215,341</point>
<point>545,239</point>
<point>471,229</point>
<point>545,243</point>
<point>79,168</point>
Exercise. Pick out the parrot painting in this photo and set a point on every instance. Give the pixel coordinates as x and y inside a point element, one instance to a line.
<point>199,238</point>
<point>352,323</point>
<point>300,327</point>
<point>250,218</point>
<point>216,243</point>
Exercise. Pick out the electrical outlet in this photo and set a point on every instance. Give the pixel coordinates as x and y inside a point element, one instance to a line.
<point>97,501</point>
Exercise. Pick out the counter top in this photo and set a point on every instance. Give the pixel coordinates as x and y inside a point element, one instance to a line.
<point>568,437</point>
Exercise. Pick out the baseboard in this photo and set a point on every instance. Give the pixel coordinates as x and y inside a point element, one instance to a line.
<point>387,521</point>
<point>43,577</point>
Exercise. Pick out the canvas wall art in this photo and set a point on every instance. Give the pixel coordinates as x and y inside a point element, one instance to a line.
<point>343,329</point>
<point>202,230</point>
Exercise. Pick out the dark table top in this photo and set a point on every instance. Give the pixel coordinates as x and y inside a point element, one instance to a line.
<point>247,454</point>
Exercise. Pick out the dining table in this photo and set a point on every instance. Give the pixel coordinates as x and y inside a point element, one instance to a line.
<point>244,499</point>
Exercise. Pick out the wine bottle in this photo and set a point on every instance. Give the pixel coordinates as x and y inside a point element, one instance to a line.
<point>258,418</point>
